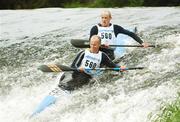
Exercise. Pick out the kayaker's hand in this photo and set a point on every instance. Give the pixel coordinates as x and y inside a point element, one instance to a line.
<point>145,44</point>
<point>123,68</point>
<point>81,69</point>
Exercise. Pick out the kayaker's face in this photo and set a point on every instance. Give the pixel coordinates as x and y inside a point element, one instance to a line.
<point>94,45</point>
<point>105,19</point>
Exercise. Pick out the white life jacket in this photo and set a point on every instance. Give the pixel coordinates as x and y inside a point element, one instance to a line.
<point>107,35</point>
<point>91,60</point>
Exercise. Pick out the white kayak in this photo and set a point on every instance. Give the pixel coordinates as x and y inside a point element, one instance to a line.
<point>47,101</point>
<point>50,99</point>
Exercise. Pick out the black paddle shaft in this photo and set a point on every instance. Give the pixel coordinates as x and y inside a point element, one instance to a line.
<point>84,43</point>
<point>61,68</point>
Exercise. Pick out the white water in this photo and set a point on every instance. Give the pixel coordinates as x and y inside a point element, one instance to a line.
<point>129,99</point>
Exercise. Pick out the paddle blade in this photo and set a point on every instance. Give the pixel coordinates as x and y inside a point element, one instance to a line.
<point>80,43</point>
<point>50,68</point>
<point>55,68</point>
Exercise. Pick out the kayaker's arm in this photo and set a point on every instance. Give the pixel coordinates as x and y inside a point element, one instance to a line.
<point>93,31</point>
<point>118,29</point>
<point>77,61</point>
<point>107,61</point>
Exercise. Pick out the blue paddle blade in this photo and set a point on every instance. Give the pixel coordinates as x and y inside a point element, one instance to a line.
<point>47,101</point>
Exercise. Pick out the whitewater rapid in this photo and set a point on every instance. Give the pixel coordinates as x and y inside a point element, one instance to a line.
<point>29,38</point>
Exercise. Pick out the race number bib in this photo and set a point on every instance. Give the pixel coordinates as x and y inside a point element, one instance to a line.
<point>90,64</point>
<point>91,60</point>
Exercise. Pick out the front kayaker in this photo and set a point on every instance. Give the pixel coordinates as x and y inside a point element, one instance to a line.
<point>87,59</point>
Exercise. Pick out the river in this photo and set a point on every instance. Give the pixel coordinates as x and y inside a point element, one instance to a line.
<point>29,38</point>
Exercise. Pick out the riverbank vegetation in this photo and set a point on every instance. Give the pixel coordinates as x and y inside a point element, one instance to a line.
<point>31,4</point>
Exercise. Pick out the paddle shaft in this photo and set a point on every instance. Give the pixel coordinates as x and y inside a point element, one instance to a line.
<point>83,43</point>
<point>61,68</point>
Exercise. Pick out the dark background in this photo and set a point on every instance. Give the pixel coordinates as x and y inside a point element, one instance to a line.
<point>30,4</point>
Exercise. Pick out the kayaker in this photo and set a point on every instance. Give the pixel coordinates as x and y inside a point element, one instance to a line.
<point>108,33</point>
<point>89,58</point>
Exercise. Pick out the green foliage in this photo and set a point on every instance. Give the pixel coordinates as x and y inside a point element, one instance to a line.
<point>110,3</point>
<point>35,4</point>
<point>161,3</point>
<point>29,4</point>
<point>170,112</point>
<point>74,5</point>
<point>135,2</point>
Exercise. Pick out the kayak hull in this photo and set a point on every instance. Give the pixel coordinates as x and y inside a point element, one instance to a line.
<point>50,99</point>
<point>47,101</point>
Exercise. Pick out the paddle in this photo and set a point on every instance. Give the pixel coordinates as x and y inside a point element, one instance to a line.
<point>61,68</point>
<point>84,43</point>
